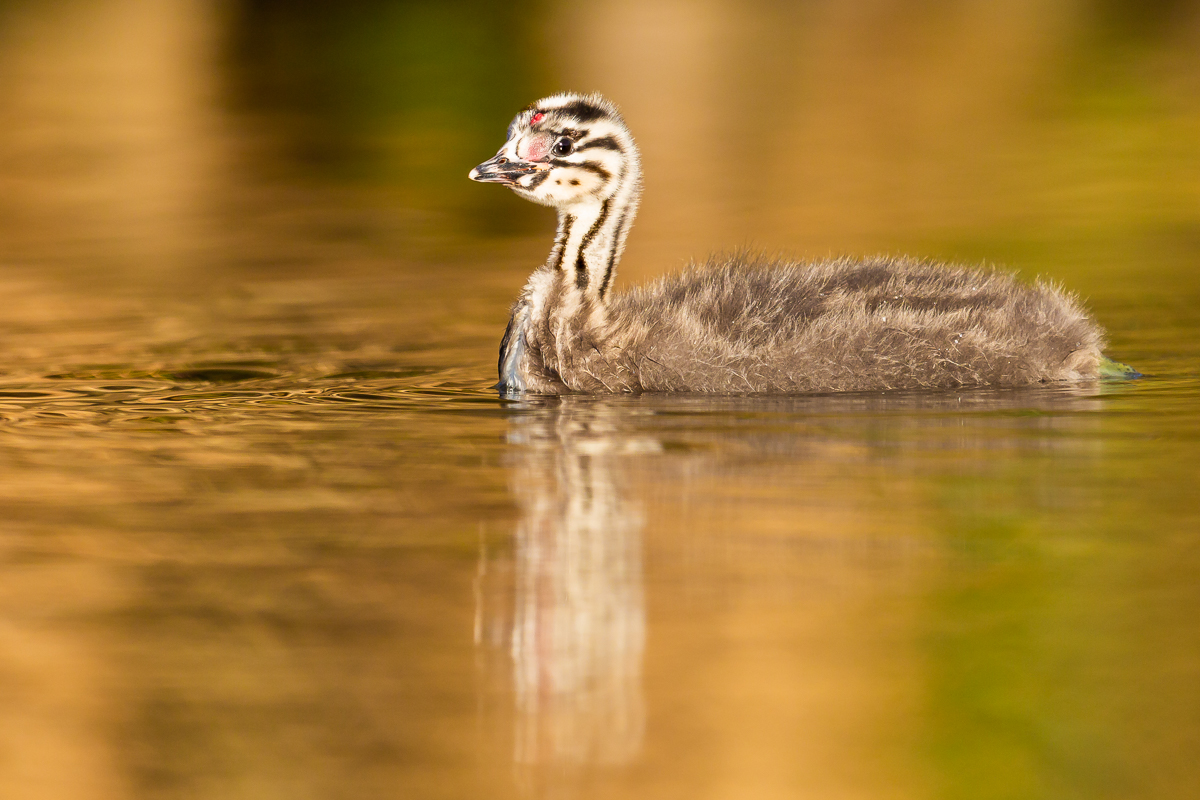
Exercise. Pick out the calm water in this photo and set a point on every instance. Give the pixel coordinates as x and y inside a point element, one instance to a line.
<point>266,533</point>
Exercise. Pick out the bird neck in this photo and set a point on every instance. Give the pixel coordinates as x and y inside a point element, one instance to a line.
<point>567,298</point>
<point>589,242</point>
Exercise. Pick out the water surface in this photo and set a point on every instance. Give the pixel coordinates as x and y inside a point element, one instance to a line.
<point>265,531</point>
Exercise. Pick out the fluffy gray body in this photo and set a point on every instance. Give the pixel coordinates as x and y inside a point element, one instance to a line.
<point>745,324</point>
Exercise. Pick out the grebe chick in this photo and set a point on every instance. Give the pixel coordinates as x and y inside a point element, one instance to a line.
<point>745,324</point>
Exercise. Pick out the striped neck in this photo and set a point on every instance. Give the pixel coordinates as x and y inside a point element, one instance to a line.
<point>591,237</point>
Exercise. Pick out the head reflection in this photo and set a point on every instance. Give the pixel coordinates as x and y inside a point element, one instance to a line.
<point>578,624</point>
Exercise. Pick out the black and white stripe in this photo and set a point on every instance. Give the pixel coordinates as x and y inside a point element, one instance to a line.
<point>581,269</point>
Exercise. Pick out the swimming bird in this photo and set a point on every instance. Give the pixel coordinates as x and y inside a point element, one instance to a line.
<point>745,324</point>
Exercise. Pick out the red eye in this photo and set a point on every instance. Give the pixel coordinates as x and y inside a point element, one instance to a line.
<point>536,118</point>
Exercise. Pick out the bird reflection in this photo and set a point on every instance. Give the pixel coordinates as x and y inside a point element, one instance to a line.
<point>561,619</point>
<point>576,628</point>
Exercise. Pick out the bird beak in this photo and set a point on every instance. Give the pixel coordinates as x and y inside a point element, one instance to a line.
<point>504,170</point>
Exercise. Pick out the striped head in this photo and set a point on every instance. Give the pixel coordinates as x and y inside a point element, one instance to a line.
<point>565,150</point>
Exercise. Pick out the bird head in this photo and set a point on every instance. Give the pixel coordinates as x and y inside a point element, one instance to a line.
<point>562,151</point>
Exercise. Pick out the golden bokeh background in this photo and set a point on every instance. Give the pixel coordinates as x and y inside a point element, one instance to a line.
<point>266,533</point>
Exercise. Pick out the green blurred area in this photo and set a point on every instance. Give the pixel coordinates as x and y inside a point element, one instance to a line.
<point>407,94</point>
